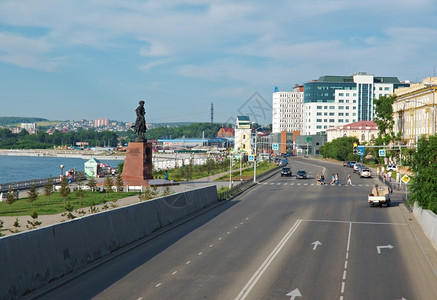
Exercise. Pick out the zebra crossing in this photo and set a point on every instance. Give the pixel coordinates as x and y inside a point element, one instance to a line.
<point>311,184</point>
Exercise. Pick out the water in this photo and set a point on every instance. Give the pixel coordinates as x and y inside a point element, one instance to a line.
<point>19,168</point>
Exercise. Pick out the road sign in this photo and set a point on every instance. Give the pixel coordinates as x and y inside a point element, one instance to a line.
<point>382,152</point>
<point>309,139</point>
<point>405,179</point>
<point>275,146</point>
<point>361,150</point>
<point>251,158</point>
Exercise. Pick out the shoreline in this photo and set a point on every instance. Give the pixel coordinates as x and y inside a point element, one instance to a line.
<point>84,154</point>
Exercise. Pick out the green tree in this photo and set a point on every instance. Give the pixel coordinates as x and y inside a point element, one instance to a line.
<point>424,164</point>
<point>32,194</point>
<point>92,183</point>
<point>340,149</point>
<point>384,117</point>
<point>80,193</point>
<point>118,182</point>
<point>64,191</point>
<point>48,188</point>
<point>108,183</point>
<point>10,197</point>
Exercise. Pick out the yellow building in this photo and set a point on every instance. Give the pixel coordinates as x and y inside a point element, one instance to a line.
<point>414,110</point>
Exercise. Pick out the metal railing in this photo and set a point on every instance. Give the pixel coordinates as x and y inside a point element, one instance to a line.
<point>244,185</point>
<point>26,184</point>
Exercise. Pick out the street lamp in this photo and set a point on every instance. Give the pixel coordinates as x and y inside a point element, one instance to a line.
<point>62,169</point>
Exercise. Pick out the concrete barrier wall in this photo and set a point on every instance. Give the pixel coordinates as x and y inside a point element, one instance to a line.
<point>428,221</point>
<point>31,259</point>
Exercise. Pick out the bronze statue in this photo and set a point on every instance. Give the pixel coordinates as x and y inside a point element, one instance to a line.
<point>140,123</point>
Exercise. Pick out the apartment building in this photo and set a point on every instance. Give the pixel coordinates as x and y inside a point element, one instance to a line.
<point>287,110</point>
<point>334,101</point>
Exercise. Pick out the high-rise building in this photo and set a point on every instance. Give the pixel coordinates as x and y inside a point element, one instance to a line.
<point>338,100</point>
<point>287,110</point>
<point>101,122</point>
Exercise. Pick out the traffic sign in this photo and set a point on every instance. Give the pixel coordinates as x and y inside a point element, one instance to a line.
<point>361,150</point>
<point>309,139</point>
<point>275,146</point>
<point>405,179</point>
<point>382,152</point>
<point>251,157</point>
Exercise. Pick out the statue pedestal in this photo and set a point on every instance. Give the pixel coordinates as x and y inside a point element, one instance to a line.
<point>138,164</point>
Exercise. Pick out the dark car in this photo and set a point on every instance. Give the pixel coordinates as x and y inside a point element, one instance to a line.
<point>286,171</point>
<point>301,174</point>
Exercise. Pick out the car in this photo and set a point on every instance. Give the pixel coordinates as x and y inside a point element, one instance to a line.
<point>360,168</point>
<point>365,172</point>
<point>301,174</point>
<point>356,165</point>
<point>351,164</point>
<point>286,171</point>
<point>346,163</point>
<point>392,168</point>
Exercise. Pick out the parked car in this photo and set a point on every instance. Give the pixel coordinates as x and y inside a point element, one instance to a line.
<point>346,163</point>
<point>351,164</point>
<point>392,168</point>
<point>301,174</point>
<point>286,171</point>
<point>356,165</point>
<point>365,172</point>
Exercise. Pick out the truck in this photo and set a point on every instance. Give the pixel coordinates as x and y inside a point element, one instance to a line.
<point>379,196</point>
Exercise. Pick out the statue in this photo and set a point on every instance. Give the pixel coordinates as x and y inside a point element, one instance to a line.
<point>140,123</point>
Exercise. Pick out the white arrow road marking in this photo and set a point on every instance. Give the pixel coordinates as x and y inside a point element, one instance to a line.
<point>316,243</point>
<point>294,293</point>
<point>252,281</point>
<point>378,248</point>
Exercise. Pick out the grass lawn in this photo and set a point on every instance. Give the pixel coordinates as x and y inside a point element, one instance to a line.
<point>42,206</point>
<point>248,173</point>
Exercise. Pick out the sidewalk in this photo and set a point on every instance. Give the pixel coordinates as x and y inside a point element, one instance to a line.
<point>54,219</point>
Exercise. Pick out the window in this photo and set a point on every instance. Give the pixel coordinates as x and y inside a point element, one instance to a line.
<point>331,114</point>
<point>332,107</point>
<point>319,107</point>
<point>340,114</point>
<point>331,120</point>
<point>341,94</point>
<point>341,107</point>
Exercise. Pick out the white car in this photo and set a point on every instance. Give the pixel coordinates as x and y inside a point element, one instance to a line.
<point>392,168</point>
<point>365,172</point>
<point>356,165</point>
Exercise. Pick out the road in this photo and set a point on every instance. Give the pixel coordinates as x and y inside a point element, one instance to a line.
<point>283,239</point>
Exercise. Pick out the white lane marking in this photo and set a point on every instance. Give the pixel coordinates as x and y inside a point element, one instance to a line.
<point>344,275</point>
<point>174,273</point>
<point>342,287</point>
<point>220,238</point>
<point>200,253</point>
<point>188,262</point>
<point>210,246</point>
<point>252,281</point>
<point>345,264</point>
<point>158,284</point>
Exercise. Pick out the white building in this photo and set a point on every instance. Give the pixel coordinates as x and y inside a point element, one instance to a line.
<point>334,101</point>
<point>243,134</point>
<point>364,131</point>
<point>287,112</point>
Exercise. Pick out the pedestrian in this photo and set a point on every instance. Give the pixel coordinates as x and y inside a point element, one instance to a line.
<point>349,181</point>
<point>166,175</point>
<point>332,179</point>
<point>322,179</point>
<point>336,179</point>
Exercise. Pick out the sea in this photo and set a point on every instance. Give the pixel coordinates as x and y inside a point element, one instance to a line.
<point>21,168</point>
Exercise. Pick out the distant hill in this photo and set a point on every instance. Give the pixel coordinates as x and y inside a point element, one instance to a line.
<point>5,121</point>
<point>171,124</point>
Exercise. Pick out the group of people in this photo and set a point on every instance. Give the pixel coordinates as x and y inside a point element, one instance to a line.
<point>334,179</point>
<point>320,178</point>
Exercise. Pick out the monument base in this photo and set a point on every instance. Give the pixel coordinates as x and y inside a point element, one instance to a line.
<point>138,167</point>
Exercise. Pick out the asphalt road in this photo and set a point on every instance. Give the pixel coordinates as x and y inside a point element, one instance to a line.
<point>283,239</point>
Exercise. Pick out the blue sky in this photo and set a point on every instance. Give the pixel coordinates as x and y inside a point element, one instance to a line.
<point>86,59</point>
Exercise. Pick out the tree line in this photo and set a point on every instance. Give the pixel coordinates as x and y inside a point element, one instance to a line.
<point>44,140</point>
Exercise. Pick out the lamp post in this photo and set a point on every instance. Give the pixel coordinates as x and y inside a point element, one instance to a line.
<point>254,162</point>
<point>62,171</point>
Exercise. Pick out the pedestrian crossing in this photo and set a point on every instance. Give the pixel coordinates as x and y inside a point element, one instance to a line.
<point>310,184</point>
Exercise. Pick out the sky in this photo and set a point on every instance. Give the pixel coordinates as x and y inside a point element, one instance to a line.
<point>88,59</point>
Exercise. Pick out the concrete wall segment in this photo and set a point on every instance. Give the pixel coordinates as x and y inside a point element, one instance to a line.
<point>31,259</point>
